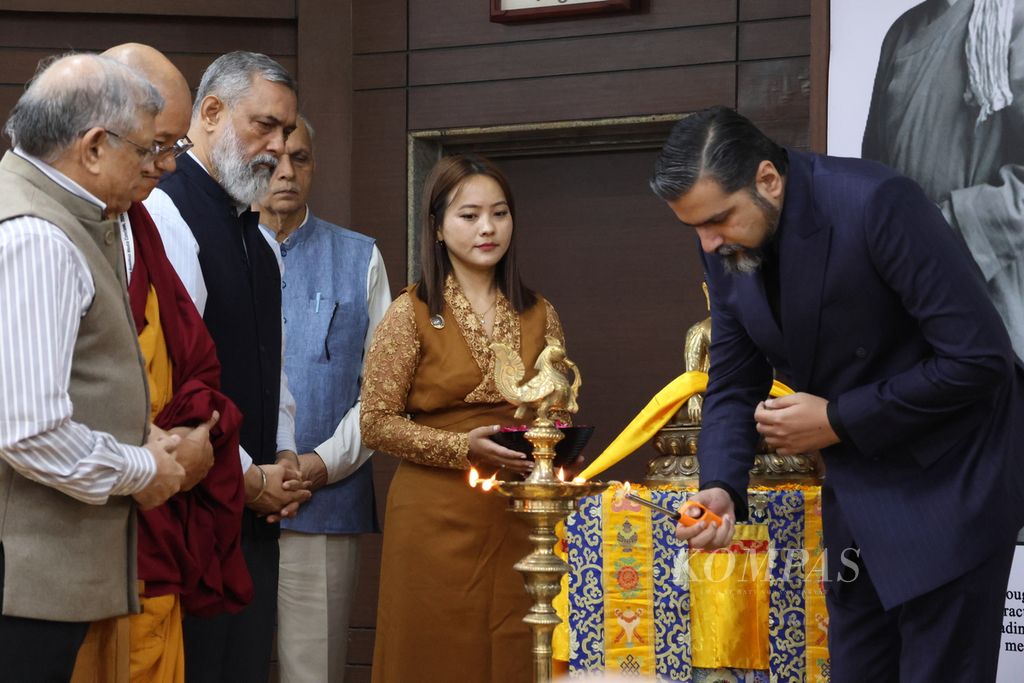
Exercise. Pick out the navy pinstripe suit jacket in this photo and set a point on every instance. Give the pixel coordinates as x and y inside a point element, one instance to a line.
<point>884,313</point>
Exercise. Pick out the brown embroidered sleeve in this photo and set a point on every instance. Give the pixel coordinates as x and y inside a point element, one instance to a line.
<point>387,377</point>
<point>553,325</point>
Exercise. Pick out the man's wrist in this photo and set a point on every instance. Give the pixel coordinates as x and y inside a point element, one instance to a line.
<point>289,457</point>
<point>263,484</point>
<point>739,502</point>
<point>254,482</point>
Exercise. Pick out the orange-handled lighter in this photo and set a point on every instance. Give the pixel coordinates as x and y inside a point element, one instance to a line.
<point>683,517</point>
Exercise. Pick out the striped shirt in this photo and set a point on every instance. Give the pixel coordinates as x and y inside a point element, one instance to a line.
<point>45,289</point>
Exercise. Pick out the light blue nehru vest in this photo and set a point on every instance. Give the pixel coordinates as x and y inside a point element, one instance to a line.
<point>323,297</point>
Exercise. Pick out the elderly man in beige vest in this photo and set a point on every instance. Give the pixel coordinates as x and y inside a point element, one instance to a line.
<point>77,453</point>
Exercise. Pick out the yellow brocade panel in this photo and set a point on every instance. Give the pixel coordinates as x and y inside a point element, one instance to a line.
<point>729,602</point>
<point>816,622</point>
<point>629,586</point>
<point>158,359</point>
<point>560,636</point>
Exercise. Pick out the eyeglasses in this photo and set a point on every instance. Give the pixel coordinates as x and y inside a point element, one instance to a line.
<point>145,153</point>
<point>176,150</point>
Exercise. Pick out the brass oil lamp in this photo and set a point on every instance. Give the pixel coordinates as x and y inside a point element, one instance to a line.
<point>543,498</point>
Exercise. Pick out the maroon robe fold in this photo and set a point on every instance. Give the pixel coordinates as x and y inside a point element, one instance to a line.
<point>191,544</point>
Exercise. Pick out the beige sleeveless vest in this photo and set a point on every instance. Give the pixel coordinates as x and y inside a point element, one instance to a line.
<point>66,560</point>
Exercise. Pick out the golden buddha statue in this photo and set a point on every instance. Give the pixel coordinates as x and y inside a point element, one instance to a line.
<point>697,357</point>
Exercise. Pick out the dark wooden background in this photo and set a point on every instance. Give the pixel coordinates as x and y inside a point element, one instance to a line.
<point>624,277</point>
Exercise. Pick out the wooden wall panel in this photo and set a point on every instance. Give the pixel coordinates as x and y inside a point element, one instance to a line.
<point>773,9</point>
<point>378,184</point>
<point>192,65</point>
<point>17,65</point>
<point>325,97</point>
<point>261,9</point>
<point>589,54</point>
<point>623,93</point>
<point>9,94</point>
<point>360,653</point>
<point>773,39</point>
<point>446,23</point>
<point>380,25</point>
<point>387,70</point>
<point>61,32</point>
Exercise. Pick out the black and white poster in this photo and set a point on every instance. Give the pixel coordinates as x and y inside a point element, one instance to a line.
<point>935,89</point>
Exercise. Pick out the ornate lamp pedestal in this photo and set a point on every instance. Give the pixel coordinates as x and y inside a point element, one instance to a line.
<point>543,500</point>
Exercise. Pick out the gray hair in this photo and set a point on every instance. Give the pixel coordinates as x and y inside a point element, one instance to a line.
<point>309,128</point>
<point>230,77</point>
<point>55,111</point>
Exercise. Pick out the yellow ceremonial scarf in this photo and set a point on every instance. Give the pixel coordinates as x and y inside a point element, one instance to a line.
<point>146,647</point>
<point>653,417</point>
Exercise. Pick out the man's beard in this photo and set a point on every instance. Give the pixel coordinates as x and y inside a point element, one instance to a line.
<point>740,259</point>
<point>245,180</point>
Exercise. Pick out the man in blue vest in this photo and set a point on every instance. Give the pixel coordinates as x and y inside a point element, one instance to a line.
<point>334,292</point>
<point>244,110</point>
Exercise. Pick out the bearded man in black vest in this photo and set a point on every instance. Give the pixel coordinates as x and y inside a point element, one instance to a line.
<point>244,110</point>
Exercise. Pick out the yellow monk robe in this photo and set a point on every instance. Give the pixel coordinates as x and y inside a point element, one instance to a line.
<point>146,647</point>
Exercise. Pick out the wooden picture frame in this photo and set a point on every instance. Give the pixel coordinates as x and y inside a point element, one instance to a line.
<point>514,10</point>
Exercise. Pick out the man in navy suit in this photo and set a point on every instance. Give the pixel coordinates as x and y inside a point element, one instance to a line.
<point>841,276</point>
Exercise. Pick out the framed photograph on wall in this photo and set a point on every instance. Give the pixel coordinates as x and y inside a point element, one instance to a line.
<point>526,10</point>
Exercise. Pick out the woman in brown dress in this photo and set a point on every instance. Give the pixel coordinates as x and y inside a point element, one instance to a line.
<point>451,605</point>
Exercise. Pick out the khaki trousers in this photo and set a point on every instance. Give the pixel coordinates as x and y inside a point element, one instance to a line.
<point>314,600</point>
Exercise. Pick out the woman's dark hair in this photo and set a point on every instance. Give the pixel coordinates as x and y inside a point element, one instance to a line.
<point>441,184</point>
<point>716,143</point>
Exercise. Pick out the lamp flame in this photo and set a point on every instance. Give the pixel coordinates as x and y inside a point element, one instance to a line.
<point>624,490</point>
<point>579,480</point>
<point>488,484</point>
<point>474,477</point>
<point>561,474</point>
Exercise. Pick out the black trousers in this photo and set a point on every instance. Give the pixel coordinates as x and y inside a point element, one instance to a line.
<point>951,634</point>
<point>236,648</point>
<point>36,650</point>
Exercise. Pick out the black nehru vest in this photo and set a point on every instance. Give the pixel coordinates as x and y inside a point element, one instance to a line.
<point>243,306</point>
